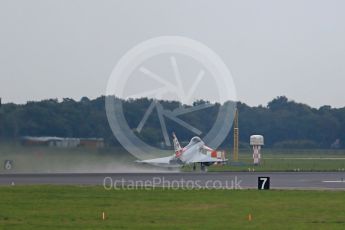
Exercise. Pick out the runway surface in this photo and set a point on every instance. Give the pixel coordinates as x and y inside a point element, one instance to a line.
<point>229,180</point>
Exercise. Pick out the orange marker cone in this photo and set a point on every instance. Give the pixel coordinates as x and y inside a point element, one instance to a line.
<point>250,217</point>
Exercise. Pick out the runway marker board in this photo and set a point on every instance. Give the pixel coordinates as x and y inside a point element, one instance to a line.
<point>8,164</point>
<point>263,183</point>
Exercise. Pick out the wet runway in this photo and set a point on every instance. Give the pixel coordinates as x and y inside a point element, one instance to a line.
<point>230,180</point>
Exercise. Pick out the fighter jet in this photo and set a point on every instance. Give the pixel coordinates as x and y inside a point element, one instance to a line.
<point>196,152</point>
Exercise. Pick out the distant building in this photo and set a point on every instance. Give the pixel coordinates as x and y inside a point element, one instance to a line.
<point>40,141</point>
<point>92,142</point>
<point>63,142</point>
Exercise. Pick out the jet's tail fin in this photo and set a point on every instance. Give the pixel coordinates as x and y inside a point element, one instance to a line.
<point>177,146</point>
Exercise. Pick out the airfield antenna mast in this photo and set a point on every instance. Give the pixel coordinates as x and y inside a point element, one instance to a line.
<point>236,134</point>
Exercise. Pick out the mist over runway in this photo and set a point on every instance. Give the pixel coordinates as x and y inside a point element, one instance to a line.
<point>279,180</point>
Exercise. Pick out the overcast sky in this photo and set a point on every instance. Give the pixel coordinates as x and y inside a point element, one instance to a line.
<point>68,48</point>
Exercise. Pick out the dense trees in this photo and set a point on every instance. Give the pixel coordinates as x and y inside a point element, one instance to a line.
<point>287,123</point>
<point>284,123</point>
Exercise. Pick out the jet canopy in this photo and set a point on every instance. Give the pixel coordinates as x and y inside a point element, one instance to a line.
<point>195,140</point>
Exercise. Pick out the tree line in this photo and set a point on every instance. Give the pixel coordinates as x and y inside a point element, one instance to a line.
<point>284,123</point>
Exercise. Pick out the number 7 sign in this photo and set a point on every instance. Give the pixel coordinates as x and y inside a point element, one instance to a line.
<point>263,183</point>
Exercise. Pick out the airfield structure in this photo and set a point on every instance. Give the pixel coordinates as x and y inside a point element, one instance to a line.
<point>256,141</point>
<point>236,135</point>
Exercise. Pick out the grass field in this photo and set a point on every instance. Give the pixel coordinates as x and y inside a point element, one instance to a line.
<point>47,159</point>
<point>289,160</point>
<point>43,159</point>
<point>69,207</point>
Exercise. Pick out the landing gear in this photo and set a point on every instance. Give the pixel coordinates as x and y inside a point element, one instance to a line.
<point>203,167</point>
<point>194,167</point>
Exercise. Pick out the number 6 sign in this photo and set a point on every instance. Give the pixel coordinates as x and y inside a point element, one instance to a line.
<point>8,164</point>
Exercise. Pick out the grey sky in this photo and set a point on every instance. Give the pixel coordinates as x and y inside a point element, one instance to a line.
<point>56,48</point>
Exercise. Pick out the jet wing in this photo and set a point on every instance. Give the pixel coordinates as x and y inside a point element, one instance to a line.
<point>162,160</point>
<point>202,158</point>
